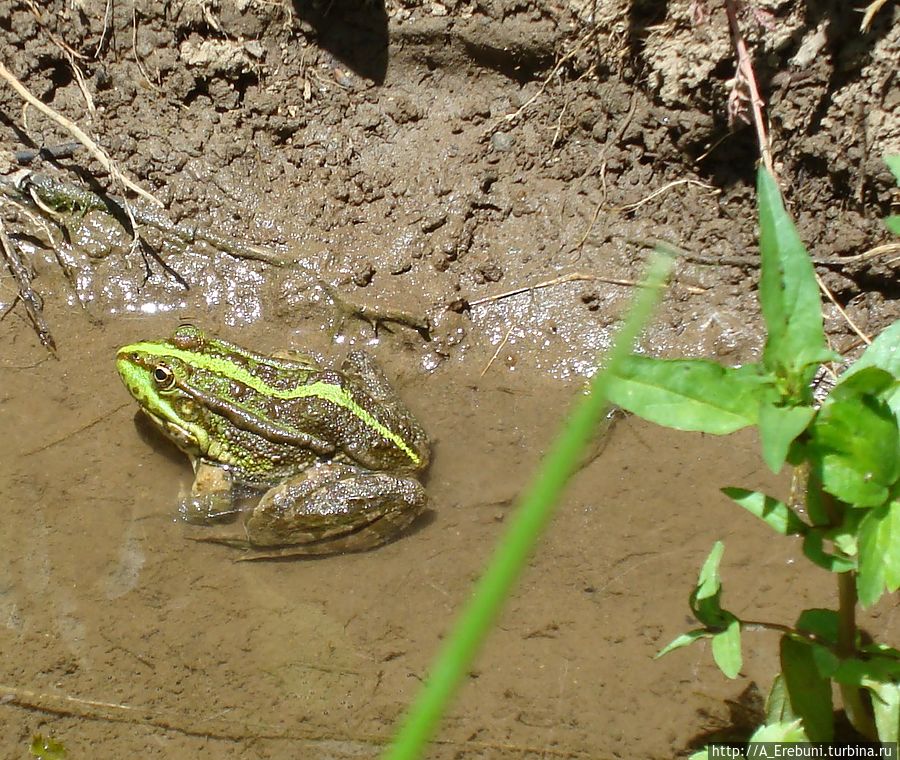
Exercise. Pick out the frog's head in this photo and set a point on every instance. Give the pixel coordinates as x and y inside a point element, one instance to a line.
<point>158,375</point>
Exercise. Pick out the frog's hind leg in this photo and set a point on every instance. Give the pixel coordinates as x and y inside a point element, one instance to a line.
<point>335,509</point>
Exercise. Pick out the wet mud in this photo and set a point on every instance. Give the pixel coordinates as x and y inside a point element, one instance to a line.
<point>497,171</point>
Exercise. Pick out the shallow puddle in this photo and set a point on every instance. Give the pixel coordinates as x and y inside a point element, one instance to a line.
<point>122,635</point>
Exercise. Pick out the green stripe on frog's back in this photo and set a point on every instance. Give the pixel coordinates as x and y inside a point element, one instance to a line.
<point>224,367</point>
<point>294,363</point>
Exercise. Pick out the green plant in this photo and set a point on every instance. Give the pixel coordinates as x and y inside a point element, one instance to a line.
<point>850,449</point>
<point>528,522</point>
<point>46,748</point>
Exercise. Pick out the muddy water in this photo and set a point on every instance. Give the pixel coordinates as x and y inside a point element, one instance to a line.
<point>120,633</point>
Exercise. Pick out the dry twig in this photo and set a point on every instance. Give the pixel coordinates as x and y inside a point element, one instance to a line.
<point>830,296</point>
<point>663,189</point>
<point>746,76</point>
<point>872,253</point>
<point>73,129</point>
<point>497,352</point>
<point>512,117</point>
<point>572,277</point>
<point>26,293</point>
<point>869,15</point>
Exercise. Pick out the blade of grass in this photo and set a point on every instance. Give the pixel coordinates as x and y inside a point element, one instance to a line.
<point>526,526</point>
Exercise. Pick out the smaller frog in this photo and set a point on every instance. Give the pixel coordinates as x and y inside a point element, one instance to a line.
<point>336,453</point>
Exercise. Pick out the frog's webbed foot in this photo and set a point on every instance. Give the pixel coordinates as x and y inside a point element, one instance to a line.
<point>211,499</point>
<point>207,509</point>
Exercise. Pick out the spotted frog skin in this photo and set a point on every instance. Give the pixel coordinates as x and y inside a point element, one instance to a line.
<point>335,452</point>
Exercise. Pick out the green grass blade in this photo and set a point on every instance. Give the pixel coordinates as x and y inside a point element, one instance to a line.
<point>526,526</point>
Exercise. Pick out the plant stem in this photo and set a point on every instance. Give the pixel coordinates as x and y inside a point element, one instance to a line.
<point>858,712</point>
<point>788,630</point>
<point>525,528</point>
<point>745,68</point>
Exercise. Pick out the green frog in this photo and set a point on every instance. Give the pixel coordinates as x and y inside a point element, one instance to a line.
<point>335,452</point>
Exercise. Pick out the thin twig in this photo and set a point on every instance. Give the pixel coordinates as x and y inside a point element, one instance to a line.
<point>871,9</point>
<point>745,67</point>
<point>73,129</point>
<point>232,730</point>
<point>137,57</point>
<point>29,298</point>
<point>497,352</point>
<point>511,117</point>
<point>107,18</point>
<point>663,189</point>
<point>375,315</point>
<point>878,250</point>
<point>70,54</point>
<point>572,277</point>
<point>601,159</point>
<point>828,294</point>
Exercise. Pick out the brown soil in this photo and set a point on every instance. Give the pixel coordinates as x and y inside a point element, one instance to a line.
<point>415,157</point>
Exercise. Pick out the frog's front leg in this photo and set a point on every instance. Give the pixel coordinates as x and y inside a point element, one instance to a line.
<point>330,509</point>
<point>211,496</point>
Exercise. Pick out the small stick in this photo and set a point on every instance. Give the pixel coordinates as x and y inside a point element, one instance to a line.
<point>661,190</point>
<point>745,67</point>
<point>601,159</point>
<point>26,292</point>
<point>871,9</point>
<point>73,129</point>
<point>107,17</point>
<point>828,294</point>
<point>497,352</point>
<point>878,250</point>
<point>511,117</point>
<point>572,277</point>
<point>137,57</point>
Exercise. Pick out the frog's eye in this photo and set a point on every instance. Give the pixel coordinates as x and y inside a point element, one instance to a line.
<point>164,377</point>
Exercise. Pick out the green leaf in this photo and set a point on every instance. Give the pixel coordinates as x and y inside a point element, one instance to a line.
<point>683,640</point>
<point>893,163</point>
<point>688,394</point>
<point>788,294</point>
<point>884,353</point>
<point>708,584</point>
<point>814,551</point>
<point>808,691</point>
<point>776,514</point>
<point>726,647</point>
<point>46,748</point>
<point>857,440</point>
<point>778,427</point>
<point>882,650</point>
<point>863,381</point>
<point>821,623</point>
<point>779,732</point>
<point>705,597</point>
<point>855,672</point>
<point>886,706</point>
<point>879,553</point>
<point>778,705</point>
<point>701,754</point>
<point>892,222</point>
